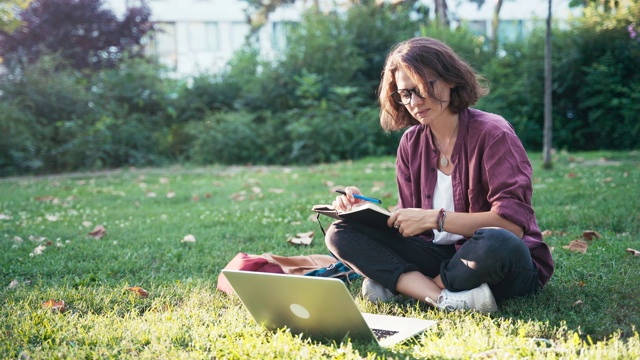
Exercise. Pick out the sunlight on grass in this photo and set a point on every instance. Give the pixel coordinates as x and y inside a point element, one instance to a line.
<point>588,310</point>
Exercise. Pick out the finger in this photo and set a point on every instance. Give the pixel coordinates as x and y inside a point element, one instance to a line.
<point>391,221</point>
<point>350,190</point>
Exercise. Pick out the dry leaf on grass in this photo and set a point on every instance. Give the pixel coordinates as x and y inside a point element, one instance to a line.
<point>38,250</point>
<point>55,306</point>
<point>301,239</point>
<point>579,302</point>
<point>98,232</point>
<point>634,252</point>
<point>140,291</point>
<point>547,233</point>
<point>13,284</point>
<point>188,239</point>
<point>577,246</point>
<point>590,235</point>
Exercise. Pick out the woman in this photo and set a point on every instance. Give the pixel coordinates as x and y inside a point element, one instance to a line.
<point>465,232</point>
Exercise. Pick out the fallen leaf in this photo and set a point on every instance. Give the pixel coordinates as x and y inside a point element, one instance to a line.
<point>547,233</point>
<point>634,252</point>
<point>239,196</point>
<point>189,238</point>
<point>55,306</point>
<point>577,246</point>
<point>98,232</point>
<point>195,198</point>
<point>38,250</point>
<point>276,191</point>
<point>171,195</point>
<point>164,180</point>
<point>87,223</point>
<point>581,283</point>
<point>579,302</point>
<point>37,239</point>
<point>301,239</point>
<point>5,217</point>
<point>151,194</point>
<point>571,175</point>
<point>13,284</point>
<point>140,291</point>
<point>590,235</point>
<point>44,198</point>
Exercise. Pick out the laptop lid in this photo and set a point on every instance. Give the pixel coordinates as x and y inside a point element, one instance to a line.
<point>321,308</point>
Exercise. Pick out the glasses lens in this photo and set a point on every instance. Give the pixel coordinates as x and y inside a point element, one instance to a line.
<point>405,95</point>
<point>396,97</point>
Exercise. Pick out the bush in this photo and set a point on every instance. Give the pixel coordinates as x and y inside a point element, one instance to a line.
<point>58,119</point>
<point>237,138</point>
<point>41,103</point>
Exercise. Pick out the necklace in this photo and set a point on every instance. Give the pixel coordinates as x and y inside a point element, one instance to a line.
<point>443,160</point>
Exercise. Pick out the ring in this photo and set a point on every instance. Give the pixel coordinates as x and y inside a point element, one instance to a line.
<point>396,226</point>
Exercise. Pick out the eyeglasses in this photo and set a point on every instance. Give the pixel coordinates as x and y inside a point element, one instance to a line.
<point>404,96</point>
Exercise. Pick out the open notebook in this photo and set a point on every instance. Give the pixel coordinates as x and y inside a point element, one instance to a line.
<point>321,308</point>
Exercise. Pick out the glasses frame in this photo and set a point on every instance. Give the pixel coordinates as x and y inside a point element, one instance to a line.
<point>412,92</point>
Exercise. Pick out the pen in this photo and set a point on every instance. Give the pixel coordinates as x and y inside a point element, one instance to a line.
<point>365,198</point>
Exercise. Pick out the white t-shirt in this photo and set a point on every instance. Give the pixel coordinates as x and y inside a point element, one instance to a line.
<point>443,199</point>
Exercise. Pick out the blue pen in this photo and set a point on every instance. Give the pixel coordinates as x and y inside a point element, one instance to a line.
<point>365,198</point>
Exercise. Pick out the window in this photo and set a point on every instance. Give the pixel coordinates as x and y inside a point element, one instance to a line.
<point>510,30</point>
<point>203,36</point>
<point>477,27</point>
<point>239,32</point>
<point>211,36</point>
<point>163,44</point>
<point>196,38</point>
<point>279,34</point>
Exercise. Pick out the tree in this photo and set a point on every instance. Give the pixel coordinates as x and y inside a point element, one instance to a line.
<point>495,24</point>
<point>81,31</point>
<point>548,113</point>
<point>441,12</point>
<point>8,8</point>
<point>258,12</point>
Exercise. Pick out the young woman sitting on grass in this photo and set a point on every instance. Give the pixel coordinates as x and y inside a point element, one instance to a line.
<point>464,233</point>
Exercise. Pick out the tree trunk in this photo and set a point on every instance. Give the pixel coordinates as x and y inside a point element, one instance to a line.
<point>441,12</point>
<point>495,24</point>
<point>548,120</point>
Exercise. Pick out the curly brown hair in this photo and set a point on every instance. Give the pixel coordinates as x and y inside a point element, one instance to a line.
<point>426,59</point>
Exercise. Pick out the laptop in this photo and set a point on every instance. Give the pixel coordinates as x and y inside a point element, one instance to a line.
<point>321,308</point>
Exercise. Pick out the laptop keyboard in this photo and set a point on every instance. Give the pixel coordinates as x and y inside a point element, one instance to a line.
<point>382,333</point>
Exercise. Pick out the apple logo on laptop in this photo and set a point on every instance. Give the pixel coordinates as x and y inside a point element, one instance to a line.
<point>299,311</point>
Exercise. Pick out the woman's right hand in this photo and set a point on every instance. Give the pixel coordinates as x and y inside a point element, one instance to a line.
<point>346,202</point>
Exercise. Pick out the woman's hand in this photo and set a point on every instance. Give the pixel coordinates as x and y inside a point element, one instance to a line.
<point>346,202</point>
<point>411,222</point>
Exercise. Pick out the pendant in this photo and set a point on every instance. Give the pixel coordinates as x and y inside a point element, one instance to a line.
<point>443,161</point>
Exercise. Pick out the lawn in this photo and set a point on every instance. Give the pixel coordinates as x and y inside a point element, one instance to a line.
<point>588,310</point>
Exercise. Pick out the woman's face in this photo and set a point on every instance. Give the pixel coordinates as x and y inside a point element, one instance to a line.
<point>423,108</point>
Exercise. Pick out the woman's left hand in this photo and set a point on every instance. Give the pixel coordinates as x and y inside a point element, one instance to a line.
<point>411,222</point>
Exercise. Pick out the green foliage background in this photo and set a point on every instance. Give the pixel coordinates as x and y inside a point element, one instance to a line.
<point>315,102</point>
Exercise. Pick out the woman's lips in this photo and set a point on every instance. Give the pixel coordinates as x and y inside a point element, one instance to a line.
<point>422,113</point>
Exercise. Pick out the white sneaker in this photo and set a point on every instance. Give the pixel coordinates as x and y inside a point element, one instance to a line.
<point>375,292</point>
<point>479,299</point>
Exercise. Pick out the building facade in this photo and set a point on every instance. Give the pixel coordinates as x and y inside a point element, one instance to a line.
<point>202,35</point>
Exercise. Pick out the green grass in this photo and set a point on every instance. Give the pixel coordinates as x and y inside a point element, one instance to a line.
<point>588,310</point>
